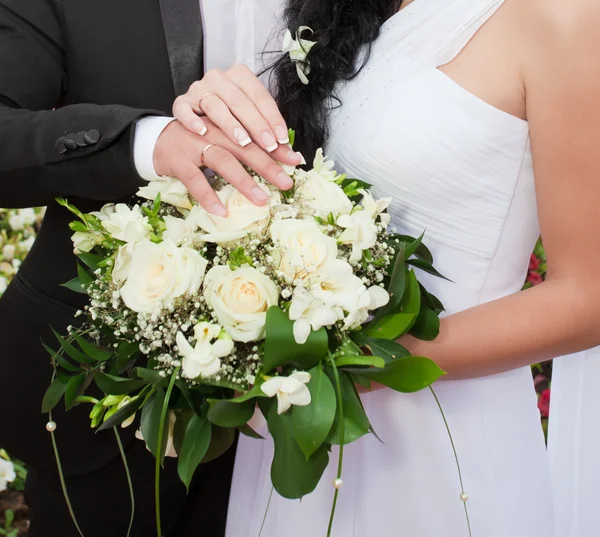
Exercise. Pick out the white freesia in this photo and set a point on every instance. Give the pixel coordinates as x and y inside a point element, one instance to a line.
<point>367,300</point>
<point>339,286</point>
<point>28,215</point>
<point>301,249</point>
<point>16,222</point>
<point>7,473</point>
<point>240,298</point>
<point>179,230</point>
<point>3,284</point>
<point>171,190</point>
<point>170,450</point>
<point>122,263</point>
<point>124,402</point>
<point>319,196</point>
<point>243,217</point>
<point>360,230</point>
<point>127,224</point>
<point>298,49</point>
<point>310,313</point>
<point>84,241</point>
<point>290,390</point>
<point>325,167</point>
<point>159,273</point>
<point>203,360</point>
<point>9,251</point>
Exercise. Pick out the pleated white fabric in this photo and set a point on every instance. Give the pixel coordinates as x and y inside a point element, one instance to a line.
<point>462,170</point>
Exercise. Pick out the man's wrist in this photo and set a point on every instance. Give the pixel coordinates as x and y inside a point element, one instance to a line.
<point>147,131</point>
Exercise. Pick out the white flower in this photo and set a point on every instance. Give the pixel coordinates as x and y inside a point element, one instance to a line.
<point>170,450</point>
<point>122,263</point>
<point>179,230</point>
<point>324,166</point>
<point>7,473</point>
<point>84,241</point>
<point>171,191</point>
<point>309,312</point>
<point>16,222</point>
<point>3,284</point>
<point>367,300</point>
<point>360,231</point>
<point>125,401</point>
<point>290,390</point>
<point>127,224</point>
<point>240,299</point>
<point>28,215</point>
<point>159,273</point>
<point>243,217</point>
<point>339,286</point>
<point>298,49</point>
<point>301,249</point>
<point>203,360</point>
<point>319,196</point>
<point>376,208</point>
<point>9,251</point>
<point>27,244</point>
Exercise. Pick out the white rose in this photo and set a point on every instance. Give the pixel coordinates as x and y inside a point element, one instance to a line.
<point>243,217</point>
<point>171,191</point>
<point>159,273</point>
<point>301,249</point>
<point>16,222</point>
<point>7,473</point>
<point>127,224</point>
<point>9,251</point>
<point>240,299</point>
<point>3,284</point>
<point>320,197</point>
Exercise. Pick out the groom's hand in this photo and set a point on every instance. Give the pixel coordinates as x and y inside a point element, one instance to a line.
<point>180,153</point>
<point>238,103</point>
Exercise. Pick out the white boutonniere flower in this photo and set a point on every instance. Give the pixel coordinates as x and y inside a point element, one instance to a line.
<point>290,390</point>
<point>298,49</point>
<point>7,473</point>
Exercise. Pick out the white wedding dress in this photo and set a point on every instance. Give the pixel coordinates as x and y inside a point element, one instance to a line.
<point>461,170</point>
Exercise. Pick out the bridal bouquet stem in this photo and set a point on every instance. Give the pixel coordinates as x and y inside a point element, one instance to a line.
<point>196,322</point>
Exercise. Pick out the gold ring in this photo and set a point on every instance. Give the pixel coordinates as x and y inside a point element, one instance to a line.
<point>205,150</point>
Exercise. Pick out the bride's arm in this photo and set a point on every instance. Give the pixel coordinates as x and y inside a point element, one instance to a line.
<point>561,74</point>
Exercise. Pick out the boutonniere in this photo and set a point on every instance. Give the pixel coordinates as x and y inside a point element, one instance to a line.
<point>298,49</point>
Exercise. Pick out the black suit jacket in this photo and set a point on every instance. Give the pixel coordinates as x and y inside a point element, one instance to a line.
<point>75,75</point>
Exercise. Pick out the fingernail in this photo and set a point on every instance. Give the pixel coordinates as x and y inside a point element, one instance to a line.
<point>219,209</point>
<point>295,156</point>
<point>199,127</point>
<point>242,137</point>
<point>282,135</point>
<point>302,159</point>
<point>259,194</point>
<point>285,181</point>
<point>269,141</point>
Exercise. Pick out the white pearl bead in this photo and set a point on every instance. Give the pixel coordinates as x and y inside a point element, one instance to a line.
<point>464,497</point>
<point>51,426</point>
<point>337,483</point>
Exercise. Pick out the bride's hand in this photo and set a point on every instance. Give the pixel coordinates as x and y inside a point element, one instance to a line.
<point>238,103</point>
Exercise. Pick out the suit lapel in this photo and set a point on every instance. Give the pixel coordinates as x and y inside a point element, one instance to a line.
<point>184,37</point>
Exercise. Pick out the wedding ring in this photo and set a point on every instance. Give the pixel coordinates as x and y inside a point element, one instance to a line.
<point>205,150</point>
<point>204,97</point>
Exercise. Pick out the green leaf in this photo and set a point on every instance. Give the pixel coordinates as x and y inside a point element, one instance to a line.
<point>250,432</point>
<point>71,351</point>
<point>406,375</point>
<point>374,361</point>
<point>427,267</point>
<point>117,385</point>
<point>281,347</point>
<point>91,260</point>
<point>255,392</point>
<point>75,285</point>
<point>395,289</point>
<point>124,413</point>
<point>392,326</point>
<point>95,353</point>
<point>431,301</point>
<point>194,447</point>
<point>387,349</point>
<point>59,360</point>
<point>193,397</point>
<point>53,395</point>
<point>230,414</point>
<point>73,390</point>
<point>150,423</point>
<point>411,248</point>
<point>152,376</point>
<point>427,325</point>
<point>125,355</point>
<point>356,423</point>
<point>84,276</point>
<point>293,475</point>
<point>312,423</point>
<point>221,440</point>
<point>405,241</point>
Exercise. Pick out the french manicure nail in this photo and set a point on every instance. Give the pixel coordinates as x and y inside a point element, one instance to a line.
<point>259,194</point>
<point>295,156</point>
<point>282,135</point>
<point>242,137</point>
<point>219,209</point>
<point>199,127</point>
<point>269,141</point>
<point>285,181</point>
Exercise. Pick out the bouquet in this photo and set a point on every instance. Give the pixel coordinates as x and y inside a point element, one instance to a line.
<point>195,321</point>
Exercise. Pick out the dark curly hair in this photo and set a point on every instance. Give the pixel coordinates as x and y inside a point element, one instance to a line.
<point>341,29</point>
